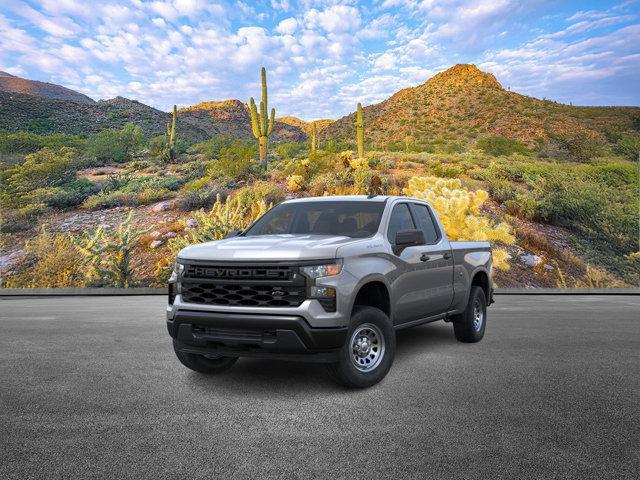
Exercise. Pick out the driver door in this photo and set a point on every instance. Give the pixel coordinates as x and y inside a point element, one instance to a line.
<point>411,280</point>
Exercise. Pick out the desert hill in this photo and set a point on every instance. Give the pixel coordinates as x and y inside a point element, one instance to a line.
<point>47,108</point>
<point>305,126</point>
<point>464,103</point>
<point>232,118</point>
<point>16,85</point>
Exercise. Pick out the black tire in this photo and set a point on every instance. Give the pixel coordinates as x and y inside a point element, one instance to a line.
<point>371,323</point>
<point>464,325</point>
<point>202,364</point>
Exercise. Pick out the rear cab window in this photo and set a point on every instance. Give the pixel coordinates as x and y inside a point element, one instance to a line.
<point>426,223</point>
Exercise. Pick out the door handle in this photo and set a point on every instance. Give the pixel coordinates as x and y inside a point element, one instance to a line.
<point>424,257</point>
<point>446,256</point>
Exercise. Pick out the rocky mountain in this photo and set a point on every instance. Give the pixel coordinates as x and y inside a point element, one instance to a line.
<point>305,126</point>
<point>16,85</point>
<point>48,108</point>
<point>232,117</point>
<point>464,103</point>
<point>19,111</point>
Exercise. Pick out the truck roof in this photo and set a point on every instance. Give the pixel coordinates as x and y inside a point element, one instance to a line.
<point>341,198</point>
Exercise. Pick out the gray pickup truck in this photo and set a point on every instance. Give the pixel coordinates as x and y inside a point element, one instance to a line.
<point>326,279</point>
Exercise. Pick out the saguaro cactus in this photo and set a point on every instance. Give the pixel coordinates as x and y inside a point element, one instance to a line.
<point>260,124</point>
<point>171,136</point>
<point>360,132</point>
<point>314,140</point>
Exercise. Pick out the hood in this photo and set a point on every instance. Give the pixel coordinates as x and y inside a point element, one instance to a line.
<point>267,247</point>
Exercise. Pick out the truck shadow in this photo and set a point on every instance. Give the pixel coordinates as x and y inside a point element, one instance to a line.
<point>278,377</point>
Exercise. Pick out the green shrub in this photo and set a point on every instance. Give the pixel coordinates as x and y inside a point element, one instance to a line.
<point>447,170</point>
<point>124,198</point>
<point>629,146</point>
<point>40,125</point>
<point>44,169</point>
<point>27,142</point>
<point>289,150</point>
<point>582,146</point>
<point>211,148</point>
<point>188,201</point>
<point>116,145</point>
<point>523,206</point>
<point>258,192</point>
<point>233,160</point>
<point>498,146</point>
<point>157,145</point>
<point>18,219</point>
<point>110,200</point>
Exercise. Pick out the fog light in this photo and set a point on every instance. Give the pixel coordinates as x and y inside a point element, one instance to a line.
<point>326,296</point>
<point>323,292</point>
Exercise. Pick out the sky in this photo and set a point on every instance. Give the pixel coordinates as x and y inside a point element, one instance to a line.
<point>322,57</point>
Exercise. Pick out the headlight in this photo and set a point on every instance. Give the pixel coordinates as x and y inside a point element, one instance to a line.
<point>178,268</point>
<point>325,270</point>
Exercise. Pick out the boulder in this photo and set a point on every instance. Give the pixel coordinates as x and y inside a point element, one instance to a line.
<point>163,206</point>
<point>531,260</point>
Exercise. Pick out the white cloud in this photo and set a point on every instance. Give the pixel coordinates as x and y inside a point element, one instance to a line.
<point>335,19</point>
<point>56,26</point>
<point>287,26</point>
<point>280,5</point>
<point>386,61</point>
<point>378,27</point>
<point>16,70</point>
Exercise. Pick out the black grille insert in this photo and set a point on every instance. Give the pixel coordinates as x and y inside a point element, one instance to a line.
<point>243,285</point>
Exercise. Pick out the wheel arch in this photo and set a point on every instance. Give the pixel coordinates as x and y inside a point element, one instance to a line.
<point>482,279</point>
<point>373,291</point>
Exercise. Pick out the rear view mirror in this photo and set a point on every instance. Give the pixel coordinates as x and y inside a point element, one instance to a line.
<point>407,238</point>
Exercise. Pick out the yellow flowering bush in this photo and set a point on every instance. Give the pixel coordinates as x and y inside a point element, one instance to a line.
<point>459,212</point>
<point>54,263</point>
<point>295,183</point>
<point>215,224</point>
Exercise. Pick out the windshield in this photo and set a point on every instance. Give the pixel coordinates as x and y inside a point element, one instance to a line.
<point>356,219</point>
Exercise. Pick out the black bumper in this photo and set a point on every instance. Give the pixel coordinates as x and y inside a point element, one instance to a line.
<point>253,335</point>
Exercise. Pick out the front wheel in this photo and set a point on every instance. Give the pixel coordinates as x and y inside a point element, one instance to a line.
<point>202,364</point>
<point>369,349</point>
<point>469,326</point>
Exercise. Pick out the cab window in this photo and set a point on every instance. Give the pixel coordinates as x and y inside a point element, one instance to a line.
<point>400,220</point>
<point>426,223</point>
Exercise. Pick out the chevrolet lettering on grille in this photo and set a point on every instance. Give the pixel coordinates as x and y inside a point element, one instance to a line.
<point>238,273</point>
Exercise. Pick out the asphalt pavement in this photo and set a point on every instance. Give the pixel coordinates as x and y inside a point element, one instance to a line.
<point>90,388</point>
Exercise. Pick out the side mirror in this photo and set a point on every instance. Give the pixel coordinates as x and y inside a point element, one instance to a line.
<point>233,233</point>
<point>408,238</point>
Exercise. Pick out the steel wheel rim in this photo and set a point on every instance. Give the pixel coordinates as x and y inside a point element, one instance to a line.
<point>478,316</point>
<point>366,347</point>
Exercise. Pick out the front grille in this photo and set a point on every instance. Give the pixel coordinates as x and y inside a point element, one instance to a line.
<point>243,285</point>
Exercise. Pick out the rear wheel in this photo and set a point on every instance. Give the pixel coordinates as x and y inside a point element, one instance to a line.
<point>369,349</point>
<point>204,364</point>
<point>469,327</point>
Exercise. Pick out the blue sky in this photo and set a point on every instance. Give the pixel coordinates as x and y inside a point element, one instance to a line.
<point>322,56</point>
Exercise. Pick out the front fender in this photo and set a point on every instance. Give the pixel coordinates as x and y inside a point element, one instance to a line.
<point>368,269</point>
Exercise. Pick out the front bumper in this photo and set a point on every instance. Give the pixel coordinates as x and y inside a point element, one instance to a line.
<point>254,335</point>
